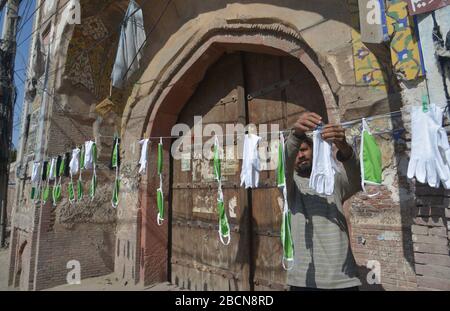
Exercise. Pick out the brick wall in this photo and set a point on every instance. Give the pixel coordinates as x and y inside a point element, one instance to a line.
<point>380,225</point>
<point>431,238</point>
<point>405,227</point>
<point>91,244</point>
<point>381,231</point>
<point>387,245</point>
<point>84,231</point>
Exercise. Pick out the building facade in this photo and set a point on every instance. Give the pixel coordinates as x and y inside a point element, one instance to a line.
<point>230,62</point>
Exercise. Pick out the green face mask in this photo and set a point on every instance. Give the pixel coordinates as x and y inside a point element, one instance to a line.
<point>370,158</point>
<point>79,190</point>
<point>93,184</point>
<point>159,191</point>
<point>115,154</point>
<point>82,154</point>
<point>115,164</point>
<point>33,191</point>
<point>115,195</point>
<point>71,192</point>
<point>224,227</point>
<point>286,240</point>
<point>46,194</point>
<point>285,231</point>
<point>48,170</point>
<point>46,190</point>
<point>160,205</point>
<point>80,180</point>
<point>281,178</point>
<point>62,165</point>
<point>56,194</point>
<point>160,157</point>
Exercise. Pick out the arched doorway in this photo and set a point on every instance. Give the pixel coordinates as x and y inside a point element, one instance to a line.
<point>241,87</point>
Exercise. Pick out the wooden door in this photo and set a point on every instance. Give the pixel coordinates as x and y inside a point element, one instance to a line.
<point>240,88</point>
<point>280,88</point>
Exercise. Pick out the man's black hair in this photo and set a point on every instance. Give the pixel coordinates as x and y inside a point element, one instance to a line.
<point>305,139</point>
<point>308,141</point>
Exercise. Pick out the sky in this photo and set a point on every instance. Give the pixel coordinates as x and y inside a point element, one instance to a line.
<point>25,26</point>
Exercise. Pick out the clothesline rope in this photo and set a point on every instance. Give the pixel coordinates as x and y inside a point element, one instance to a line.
<point>344,124</point>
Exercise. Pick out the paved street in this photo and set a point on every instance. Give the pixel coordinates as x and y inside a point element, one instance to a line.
<point>4,270</point>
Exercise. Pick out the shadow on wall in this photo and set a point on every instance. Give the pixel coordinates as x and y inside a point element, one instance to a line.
<point>404,196</point>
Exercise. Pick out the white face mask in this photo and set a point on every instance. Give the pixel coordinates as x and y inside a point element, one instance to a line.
<point>250,162</point>
<point>143,158</point>
<point>35,172</point>
<point>52,174</point>
<point>323,167</point>
<point>88,156</point>
<point>75,161</point>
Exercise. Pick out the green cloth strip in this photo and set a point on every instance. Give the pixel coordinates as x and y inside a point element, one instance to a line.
<point>46,194</point>
<point>115,164</point>
<point>93,184</point>
<point>79,190</point>
<point>160,204</point>
<point>33,192</point>
<point>159,191</point>
<point>71,192</point>
<point>224,227</point>
<point>285,230</point>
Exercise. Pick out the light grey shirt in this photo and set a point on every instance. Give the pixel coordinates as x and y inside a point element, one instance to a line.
<point>322,253</point>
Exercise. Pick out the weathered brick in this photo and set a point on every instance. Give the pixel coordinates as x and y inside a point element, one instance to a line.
<point>419,229</point>
<point>437,240</point>
<point>431,248</point>
<point>433,259</point>
<point>430,282</point>
<point>438,272</point>
<point>438,231</point>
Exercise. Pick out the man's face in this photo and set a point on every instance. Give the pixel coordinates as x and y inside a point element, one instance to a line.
<point>303,162</point>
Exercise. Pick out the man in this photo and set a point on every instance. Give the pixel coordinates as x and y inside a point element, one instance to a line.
<point>323,258</point>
